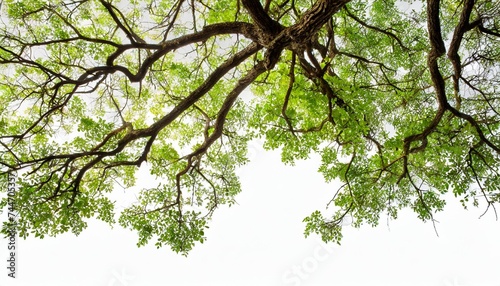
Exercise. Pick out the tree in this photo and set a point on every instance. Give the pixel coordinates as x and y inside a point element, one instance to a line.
<point>400,99</point>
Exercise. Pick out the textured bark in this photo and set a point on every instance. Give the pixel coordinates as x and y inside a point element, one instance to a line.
<point>297,36</point>
<point>261,18</point>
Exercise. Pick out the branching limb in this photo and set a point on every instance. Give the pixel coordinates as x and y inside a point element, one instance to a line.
<point>291,76</point>
<point>456,41</point>
<point>383,31</point>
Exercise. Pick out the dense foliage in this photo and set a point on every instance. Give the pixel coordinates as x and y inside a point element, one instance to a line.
<point>400,98</point>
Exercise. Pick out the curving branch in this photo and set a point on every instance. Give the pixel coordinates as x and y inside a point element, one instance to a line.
<point>458,34</point>
<point>380,30</point>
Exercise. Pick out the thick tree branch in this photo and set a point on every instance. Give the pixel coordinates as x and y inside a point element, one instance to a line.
<point>456,41</point>
<point>437,50</point>
<point>261,18</point>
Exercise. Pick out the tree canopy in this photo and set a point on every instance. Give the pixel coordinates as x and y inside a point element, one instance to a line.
<point>399,98</point>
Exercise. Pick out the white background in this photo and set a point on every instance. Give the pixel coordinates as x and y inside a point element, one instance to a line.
<point>260,241</point>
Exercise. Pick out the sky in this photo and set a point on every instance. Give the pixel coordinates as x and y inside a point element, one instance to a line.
<point>260,241</point>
